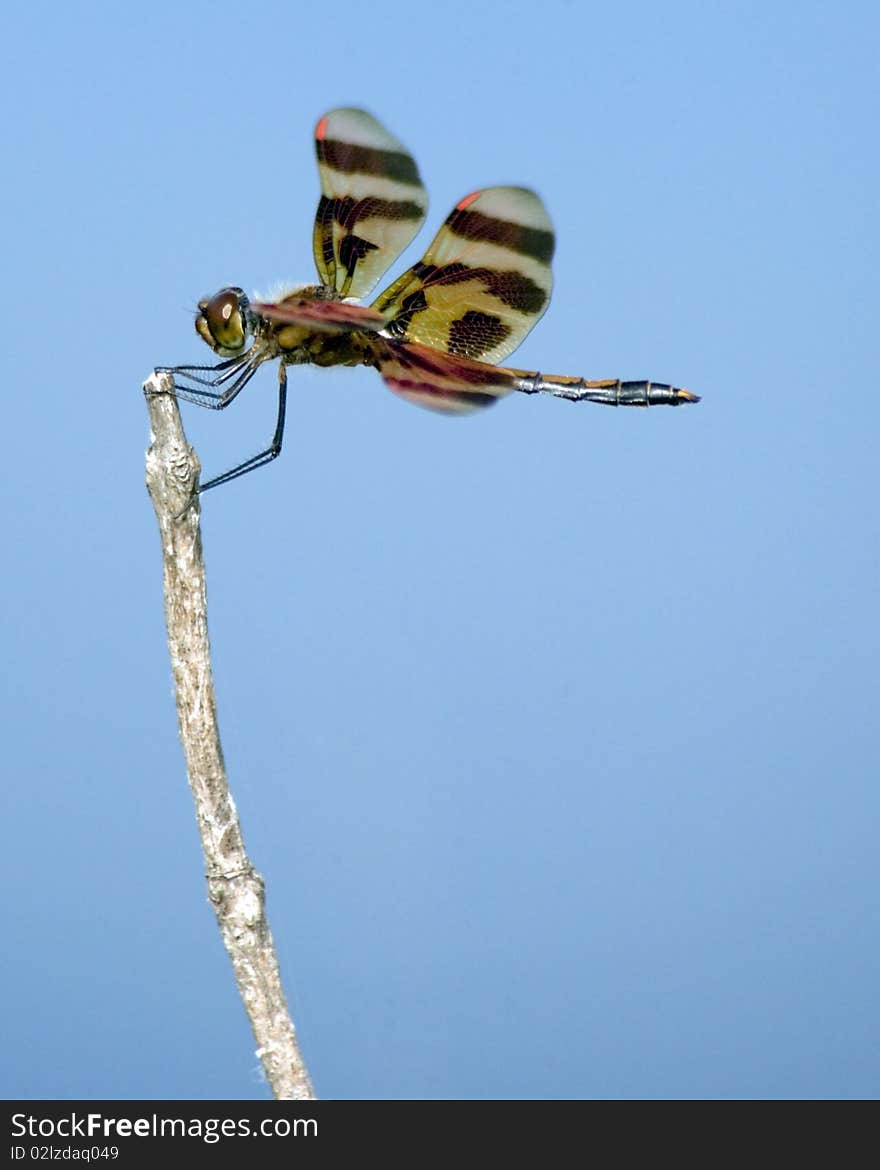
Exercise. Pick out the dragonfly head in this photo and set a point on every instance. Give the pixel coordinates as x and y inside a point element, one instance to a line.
<point>224,321</point>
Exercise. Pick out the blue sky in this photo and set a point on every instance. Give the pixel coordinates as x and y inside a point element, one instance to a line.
<point>552,730</point>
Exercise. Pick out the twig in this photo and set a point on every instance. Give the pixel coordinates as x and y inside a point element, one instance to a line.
<point>235,888</point>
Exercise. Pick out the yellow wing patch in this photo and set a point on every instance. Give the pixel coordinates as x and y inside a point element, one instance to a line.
<point>483,283</point>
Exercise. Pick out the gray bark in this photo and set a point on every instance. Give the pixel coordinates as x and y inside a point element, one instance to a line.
<point>235,888</point>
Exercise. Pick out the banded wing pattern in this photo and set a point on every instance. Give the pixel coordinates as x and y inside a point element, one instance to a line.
<point>484,281</point>
<point>440,381</point>
<point>372,201</point>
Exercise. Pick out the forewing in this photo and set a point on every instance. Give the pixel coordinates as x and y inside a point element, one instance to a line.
<point>321,316</point>
<point>440,381</point>
<point>372,201</point>
<point>484,281</point>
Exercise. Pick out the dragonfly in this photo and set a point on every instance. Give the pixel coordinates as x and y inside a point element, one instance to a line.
<point>437,334</point>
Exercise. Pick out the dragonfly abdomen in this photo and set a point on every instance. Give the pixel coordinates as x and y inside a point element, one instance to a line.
<point>607,391</point>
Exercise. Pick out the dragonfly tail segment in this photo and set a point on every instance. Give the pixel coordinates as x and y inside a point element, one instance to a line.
<point>607,392</point>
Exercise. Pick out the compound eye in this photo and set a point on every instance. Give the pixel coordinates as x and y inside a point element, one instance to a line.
<point>222,321</point>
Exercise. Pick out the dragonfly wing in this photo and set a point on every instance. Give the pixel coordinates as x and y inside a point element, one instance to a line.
<point>372,201</point>
<point>321,316</point>
<point>483,283</point>
<point>440,381</point>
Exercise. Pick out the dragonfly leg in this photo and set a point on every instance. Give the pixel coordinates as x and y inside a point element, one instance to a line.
<point>274,448</point>
<point>190,380</point>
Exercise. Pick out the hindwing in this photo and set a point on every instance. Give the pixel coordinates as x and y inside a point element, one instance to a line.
<point>483,283</point>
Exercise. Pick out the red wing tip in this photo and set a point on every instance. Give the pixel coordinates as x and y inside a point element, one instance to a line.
<point>467,201</point>
<point>321,129</point>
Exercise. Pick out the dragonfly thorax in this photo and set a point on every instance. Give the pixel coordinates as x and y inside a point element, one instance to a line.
<point>225,321</point>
